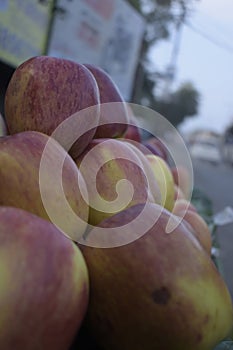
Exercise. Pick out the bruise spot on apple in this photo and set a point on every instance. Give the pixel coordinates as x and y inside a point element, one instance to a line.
<point>199,337</point>
<point>161,296</point>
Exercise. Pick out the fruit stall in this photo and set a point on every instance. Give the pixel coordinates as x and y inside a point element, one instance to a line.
<point>102,244</point>
<point>106,243</point>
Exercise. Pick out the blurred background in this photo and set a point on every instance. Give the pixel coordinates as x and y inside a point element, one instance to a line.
<point>174,56</point>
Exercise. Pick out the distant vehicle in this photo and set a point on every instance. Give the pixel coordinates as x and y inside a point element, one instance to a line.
<point>227,145</point>
<point>227,151</point>
<point>206,150</point>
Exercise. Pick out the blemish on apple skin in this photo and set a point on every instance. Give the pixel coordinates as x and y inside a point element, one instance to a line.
<point>199,337</point>
<point>161,296</point>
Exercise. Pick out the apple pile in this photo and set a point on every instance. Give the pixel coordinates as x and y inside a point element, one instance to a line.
<point>86,259</point>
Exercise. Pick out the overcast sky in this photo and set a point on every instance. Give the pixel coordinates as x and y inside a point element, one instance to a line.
<point>206,59</point>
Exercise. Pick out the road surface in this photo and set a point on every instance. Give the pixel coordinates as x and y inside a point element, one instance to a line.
<point>216,181</point>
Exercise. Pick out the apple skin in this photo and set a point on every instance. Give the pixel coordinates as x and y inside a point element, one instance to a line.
<point>132,133</point>
<point>139,295</point>
<point>109,113</point>
<point>3,128</point>
<point>155,143</point>
<point>154,149</point>
<point>44,289</point>
<point>133,130</point>
<point>179,193</point>
<point>145,148</point>
<point>44,91</point>
<point>164,178</point>
<point>20,157</point>
<point>181,205</point>
<point>140,146</point>
<point>195,222</point>
<point>124,163</point>
<point>182,180</point>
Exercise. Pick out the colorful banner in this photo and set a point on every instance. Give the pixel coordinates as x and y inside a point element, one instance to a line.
<point>107,33</point>
<point>23,29</point>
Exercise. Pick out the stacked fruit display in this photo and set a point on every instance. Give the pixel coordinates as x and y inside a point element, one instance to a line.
<point>84,211</point>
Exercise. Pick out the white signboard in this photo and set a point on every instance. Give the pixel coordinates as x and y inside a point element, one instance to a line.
<point>107,33</point>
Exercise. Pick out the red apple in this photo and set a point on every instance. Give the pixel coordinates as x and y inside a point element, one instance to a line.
<point>109,163</point>
<point>154,149</point>
<point>44,287</point>
<point>155,145</point>
<point>113,116</point>
<point>140,146</point>
<point>132,133</point>
<point>44,91</point>
<point>182,179</point>
<point>182,205</point>
<point>34,178</point>
<point>195,223</point>
<point>178,193</point>
<point>162,291</point>
<point>145,148</point>
<point>133,130</point>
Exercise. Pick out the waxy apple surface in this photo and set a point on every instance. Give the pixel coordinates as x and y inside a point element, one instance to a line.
<point>113,112</point>
<point>44,91</point>
<point>162,291</point>
<point>157,145</point>
<point>44,285</point>
<point>195,222</point>
<point>133,129</point>
<point>104,164</point>
<point>23,182</point>
<point>164,178</point>
<point>182,180</point>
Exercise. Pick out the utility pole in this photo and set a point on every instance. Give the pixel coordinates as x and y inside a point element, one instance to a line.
<point>171,68</point>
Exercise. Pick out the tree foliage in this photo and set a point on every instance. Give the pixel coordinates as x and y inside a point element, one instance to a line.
<point>180,104</point>
<point>162,17</point>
